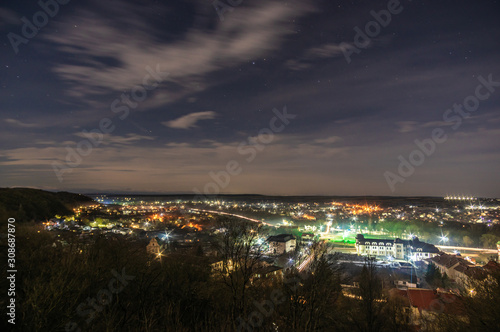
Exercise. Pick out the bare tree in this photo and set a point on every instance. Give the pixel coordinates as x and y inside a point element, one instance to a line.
<point>238,248</point>
<point>366,313</point>
<point>313,296</point>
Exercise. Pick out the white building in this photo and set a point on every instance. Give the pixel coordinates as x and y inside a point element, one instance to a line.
<point>400,249</point>
<point>153,246</point>
<point>280,244</point>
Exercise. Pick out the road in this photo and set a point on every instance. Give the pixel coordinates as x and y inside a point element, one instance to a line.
<point>306,262</point>
<point>490,251</point>
<point>233,215</point>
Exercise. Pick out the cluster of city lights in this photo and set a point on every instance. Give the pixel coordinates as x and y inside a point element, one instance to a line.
<point>357,208</point>
<point>475,207</point>
<point>460,198</point>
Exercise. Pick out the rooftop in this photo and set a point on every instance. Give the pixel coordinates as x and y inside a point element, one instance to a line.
<point>281,238</point>
<point>432,300</point>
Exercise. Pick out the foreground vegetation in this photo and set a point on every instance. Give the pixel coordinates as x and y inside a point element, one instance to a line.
<point>115,285</point>
<point>25,204</point>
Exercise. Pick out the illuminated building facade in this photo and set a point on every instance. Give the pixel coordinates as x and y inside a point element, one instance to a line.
<point>399,249</point>
<point>280,244</point>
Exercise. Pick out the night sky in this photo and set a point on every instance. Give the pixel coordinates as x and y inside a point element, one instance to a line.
<point>172,92</point>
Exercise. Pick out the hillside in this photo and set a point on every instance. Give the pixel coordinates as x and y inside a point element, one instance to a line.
<point>26,204</point>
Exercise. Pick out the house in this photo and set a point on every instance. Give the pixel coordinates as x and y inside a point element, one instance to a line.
<point>308,236</point>
<point>462,271</point>
<point>457,268</point>
<point>280,244</point>
<point>424,304</point>
<point>154,246</point>
<point>216,264</point>
<point>267,274</point>
<point>400,249</point>
<point>421,250</point>
<point>404,284</point>
<point>492,267</point>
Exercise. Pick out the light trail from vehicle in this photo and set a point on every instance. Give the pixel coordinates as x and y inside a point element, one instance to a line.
<point>303,265</point>
<point>233,215</point>
<point>492,251</point>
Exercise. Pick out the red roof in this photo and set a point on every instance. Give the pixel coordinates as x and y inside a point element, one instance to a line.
<point>431,300</point>
<point>492,267</point>
<point>421,298</point>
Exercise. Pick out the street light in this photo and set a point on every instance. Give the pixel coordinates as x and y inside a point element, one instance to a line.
<point>159,255</point>
<point>443,238</point>
<point>167,235</point>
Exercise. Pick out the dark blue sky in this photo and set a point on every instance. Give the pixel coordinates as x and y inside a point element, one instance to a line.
<point>219,81</point>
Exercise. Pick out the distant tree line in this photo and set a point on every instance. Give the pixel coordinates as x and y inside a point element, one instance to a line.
<point>25,204</point>
<point>469,235</point>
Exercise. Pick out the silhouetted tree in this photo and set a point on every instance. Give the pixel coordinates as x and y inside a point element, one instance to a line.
<point>366,312</point>
<point>237,247</point>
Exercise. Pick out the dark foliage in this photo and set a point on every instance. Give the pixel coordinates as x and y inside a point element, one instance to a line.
<point>25,204</point>
<point>65,281</point>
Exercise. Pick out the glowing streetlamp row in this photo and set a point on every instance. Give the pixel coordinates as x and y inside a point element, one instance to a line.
<point>460,198</point>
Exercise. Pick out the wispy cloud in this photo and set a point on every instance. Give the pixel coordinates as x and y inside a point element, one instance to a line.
<point>128,139</point>
<point>410,126</point>
<point>178,166</point>
<point>189,121</point>
<point>247,33</point>
<point>324,51</point>
<point>407,126</point>
<point>328,140</point>
<point>437,124</point>
<point>21,124</point>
